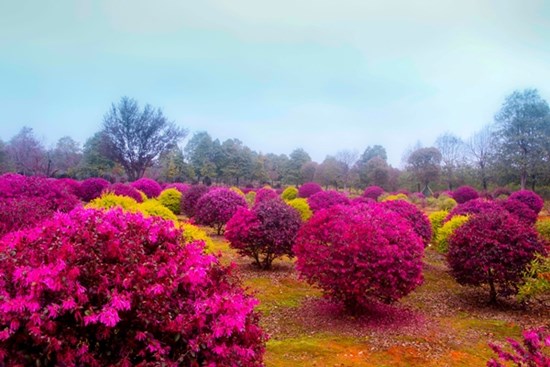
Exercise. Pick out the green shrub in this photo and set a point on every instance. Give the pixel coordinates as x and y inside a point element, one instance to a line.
<point>436,220</point>
<point>290,193</point>
<point>445,203</point>
<point>442,238</point>
<point>301,205</point>
<point>394,197</point>
<point>153,207</point>
<point>109,200</point>
<point>536,280</point>
<point>543,228</point>
<point>171,198</point>
<point>193,233</point>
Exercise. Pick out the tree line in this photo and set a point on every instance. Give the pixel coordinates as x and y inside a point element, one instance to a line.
<point>513,150</point>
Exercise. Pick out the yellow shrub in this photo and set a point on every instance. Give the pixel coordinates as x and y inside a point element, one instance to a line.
<point>536,280</point>
<point>543,228</point>
<point>171,198</point>
<point>193,233</point>
<point>153,207</point>
<point>109,200</point>
<point>445,203</point>
<point>396,197</point>
<point>442,239</point>
<point>237,190</point>
<point>290,193</point>
<point>436,219</point>
<point>301,205</point>
<point>250,198</point>
<point>143,196</point>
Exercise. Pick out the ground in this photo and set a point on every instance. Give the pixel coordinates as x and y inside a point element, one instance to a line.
<point>440,324</point>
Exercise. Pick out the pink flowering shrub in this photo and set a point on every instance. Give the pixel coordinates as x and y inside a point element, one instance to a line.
<point>70,185</point>
<point>326,199</point>
<point>418,220</point>
<point>535,351</point>
<point>373,192</point>
<point>359,254</point>
<point>124,190</point>
<point>95,288</point>
<point>91,188</point>
<point>265,232</point>
<point>26,201</point>
<point>216,207</point>
<point>190,198</point>
<point>308,189</point>
<point>149,187</point>
<point>464,194</point>
<point>529,198</point>
<point>181,187</point>
<point>265,194</point>
<point>493,248</point>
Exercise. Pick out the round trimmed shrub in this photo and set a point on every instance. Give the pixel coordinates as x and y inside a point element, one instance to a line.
<point>181,187</point>
<point>373,192</point>
<point>493,248</point>
<point>436,221</point>
<point>190,198</point>
<point>171,198</point>
<point>536,281</point>
<point>265,194</point>
<point>192,233</point>
<point>250,198</point>
<point>290,193</point>
<point>543,228</point>
<point>308,189</point>
<point>445,232</point>
<point>445,203</point>
<point>70,185</point>
<point>501,192</point>
<point>394,197</point>
<point>109,200</point>
<point>149,187</point>
<point>265,232</point>
<point>326,199</point>
<point>520,210</point>
<point>301,205</point>
<point>216,207</point>
<point>359,254</point>
<point>237,190</point>
<point>92,188</point>
<point>464,194</point>
<point>124,190</point>
<point>472,207</point>
<point>532,200</point>
<point>153,207</point>
<point>105,288</point>
<point>418,220</point>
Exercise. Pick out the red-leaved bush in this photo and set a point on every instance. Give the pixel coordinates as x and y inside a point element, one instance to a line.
<point>125,190</point>
<point>96,288</point>
<point>359,254</point>
<point>373,192</point>
<point>216,207</point>
<point>464,194</point>
<point>190,198</point>
<point>529,198</point>
<point>472,207</point>
<point>326,199</point>
<point>265,232</point>
<point>520,210</point>
<point>308,189</point>
<point>418,220</point>
<point>494,248</point>
<point>265,194</point>
<point>91,188</point>
<point>149,187</point>
<point>26,201</point>
<point>535,351</point>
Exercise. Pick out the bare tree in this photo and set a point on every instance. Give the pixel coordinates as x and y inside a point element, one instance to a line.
<point>425,165</point>
<point>27,153</point>
<point>347,158</point>
<point>135,138</point>
<point>452,150</point>
<point>480,147</point>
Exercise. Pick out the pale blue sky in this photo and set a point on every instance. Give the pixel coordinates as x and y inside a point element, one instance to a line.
<point>321,75</point>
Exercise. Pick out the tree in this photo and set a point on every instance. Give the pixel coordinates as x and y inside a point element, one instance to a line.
<point>135,138</point>
<point>377,172</point>
<point>276,167</point>
<point>203,154</point>
<point>27,153</point>
<point>4,159</point>
<point>330,173</point>
<point>347,158</point>
<point>363,168</point>
<point>66,156</point>
<point>298,158</point>
<point>451,148</point>
<point>480,148</point>
<point>94,163</point>
<point>523,124</point>
<point>425,164</point>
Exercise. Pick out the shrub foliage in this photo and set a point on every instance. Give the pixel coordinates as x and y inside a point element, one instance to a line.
<point>216,208</point>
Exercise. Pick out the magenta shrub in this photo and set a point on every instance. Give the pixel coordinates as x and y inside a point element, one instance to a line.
<point>308,189</point>
<point>418,220</point>
<point>529,198</point>
<point>326,199</point>
<point>149,187</point>
<point>265,232</point>
<point>493,248</point>
<point>216,207</point>
<point>530,354</point>
<point>265,194</point>
<point>26,201</point>
<point>124,190</point>
<point>70,185</point>
<point>464,194</point>
<point>472,207</point>
<point>520,210</point>
<point>501,191</point>
<point>92,188</point>
<point>359,254</point>
<point>190,198</point>
<point>181,187</point>
<point>373,192</point>
<point>95,288</point>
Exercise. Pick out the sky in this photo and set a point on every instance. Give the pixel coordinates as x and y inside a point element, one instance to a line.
<point>278,75</point>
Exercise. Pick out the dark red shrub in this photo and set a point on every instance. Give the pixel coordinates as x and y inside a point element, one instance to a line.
<point>149,187</point>
<point>529,198</point>
<point>125,190</point>
<point>359,254</point>
<point>216,207</point>
<point>265,232</point>
<point>326,199</point>
<point>190,198</point>
<point>265,194</point>
<point>472,207</point>
<point>92,188</point>
<point>418,220</point>
<point>501,191</point>
<point>520,210</point>
<point>308,189</point>
<point>373,192</point>
<point>531,354</point>
<point>464,194</point>
<point>494,248</point>
<point>95,288</point>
